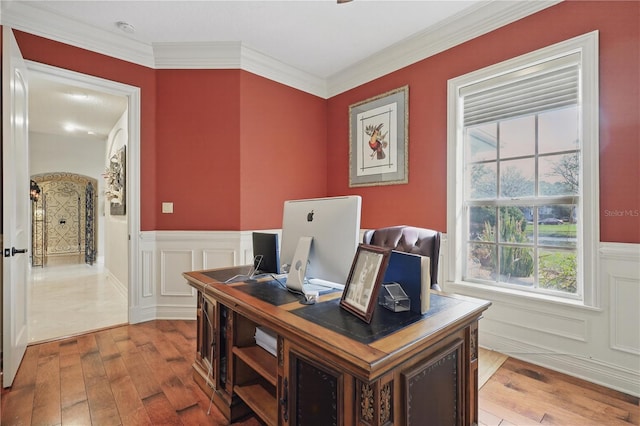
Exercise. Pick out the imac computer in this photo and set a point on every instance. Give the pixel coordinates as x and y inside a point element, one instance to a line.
<point>266,253</point>
<point>334,225</point>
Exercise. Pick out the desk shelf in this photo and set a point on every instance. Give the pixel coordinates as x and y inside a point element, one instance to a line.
<point>260,400</point>
<point>255,372</point>
<point>265,364</point>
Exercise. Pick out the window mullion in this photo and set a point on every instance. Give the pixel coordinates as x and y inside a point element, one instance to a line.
<point>536,252</point>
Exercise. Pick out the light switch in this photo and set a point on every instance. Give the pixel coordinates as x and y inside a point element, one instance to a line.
<point>167,207</point>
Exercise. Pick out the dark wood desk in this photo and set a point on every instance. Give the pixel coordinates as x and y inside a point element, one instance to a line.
<point>330,368</point>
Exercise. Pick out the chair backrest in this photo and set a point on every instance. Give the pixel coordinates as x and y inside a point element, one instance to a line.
<point>409,239</point>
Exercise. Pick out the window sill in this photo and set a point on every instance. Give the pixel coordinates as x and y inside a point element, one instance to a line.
<point>510,295</point>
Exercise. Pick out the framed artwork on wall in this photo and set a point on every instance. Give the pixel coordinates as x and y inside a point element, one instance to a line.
<point>116,183</point>
<point>360,293</point>
<point>378,139</point>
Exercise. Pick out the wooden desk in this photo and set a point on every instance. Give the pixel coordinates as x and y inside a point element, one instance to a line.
<point>331,368</point>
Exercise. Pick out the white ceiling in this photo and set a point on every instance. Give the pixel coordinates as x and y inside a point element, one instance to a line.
<point>62,109</point>
<point>321,39</point>
<point>318,37</point>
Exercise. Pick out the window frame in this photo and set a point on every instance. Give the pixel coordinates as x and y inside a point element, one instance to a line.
<point>587,47</point>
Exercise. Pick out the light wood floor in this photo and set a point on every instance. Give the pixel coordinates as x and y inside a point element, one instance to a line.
<point>66,300</point>
<point>524,394</point>
<point>488,363</point>
<point>141,375</point>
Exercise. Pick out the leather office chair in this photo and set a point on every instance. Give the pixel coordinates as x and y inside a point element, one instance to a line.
<point>409,239</point>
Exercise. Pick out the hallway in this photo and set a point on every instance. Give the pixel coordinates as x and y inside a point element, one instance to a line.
<point>69,299</point>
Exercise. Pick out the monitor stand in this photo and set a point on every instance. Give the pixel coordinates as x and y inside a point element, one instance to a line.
<point>298,268</point>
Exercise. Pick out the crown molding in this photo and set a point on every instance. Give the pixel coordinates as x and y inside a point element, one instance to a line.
<point>265,66</point>
<point>235,55</point>
<point>27,17</point>
<point>470,23</point>
<point>200,55</point>
<point>464,26</point>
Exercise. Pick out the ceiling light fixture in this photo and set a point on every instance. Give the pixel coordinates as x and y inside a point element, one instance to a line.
<point>79,96</point>
<point>126,27</point>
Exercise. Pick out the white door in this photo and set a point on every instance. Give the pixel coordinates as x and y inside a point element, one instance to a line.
<point>15,206</point>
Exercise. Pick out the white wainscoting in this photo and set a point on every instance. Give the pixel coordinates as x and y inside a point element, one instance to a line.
<point>600,345</point>
<point>163,292</point>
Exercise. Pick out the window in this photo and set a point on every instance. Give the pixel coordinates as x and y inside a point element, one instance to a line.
<point>522,189</point>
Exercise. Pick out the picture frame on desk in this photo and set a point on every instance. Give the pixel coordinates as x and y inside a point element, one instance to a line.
<point>360,293</point>
<point>378,139</point>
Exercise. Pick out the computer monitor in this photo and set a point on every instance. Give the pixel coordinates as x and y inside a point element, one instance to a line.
<point>334,224</point>
<point>266,253</point>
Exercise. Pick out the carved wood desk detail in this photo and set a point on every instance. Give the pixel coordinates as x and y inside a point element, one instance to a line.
<point>328,367</point>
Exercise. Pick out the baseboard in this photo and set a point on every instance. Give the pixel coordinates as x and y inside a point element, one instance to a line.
<point>119,286</point>
<point>138,314</point>
<point>611,376</point>
<point>175,312</point>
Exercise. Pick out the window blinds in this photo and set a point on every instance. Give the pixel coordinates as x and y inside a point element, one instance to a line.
<point>549,85</point>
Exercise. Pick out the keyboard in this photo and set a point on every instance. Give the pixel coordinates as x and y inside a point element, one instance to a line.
<point>317,284</point>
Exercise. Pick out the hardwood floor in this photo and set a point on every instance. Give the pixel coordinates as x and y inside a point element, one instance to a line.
<point>524,394</point>
<point>141,375</point>
<point>130,375</point>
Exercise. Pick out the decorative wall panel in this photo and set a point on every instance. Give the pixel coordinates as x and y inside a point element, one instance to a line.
<point>59,219</point>
<point>625,295</point>
<point>147,273</point>
<point>218,258</point>
<point>174,263</point>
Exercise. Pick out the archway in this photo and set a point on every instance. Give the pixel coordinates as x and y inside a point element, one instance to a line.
<point>63,219</point>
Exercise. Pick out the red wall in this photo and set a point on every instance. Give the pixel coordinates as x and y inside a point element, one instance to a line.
<point>217,142</point>
<point>226,136</point>
<point>283,149</point>
<point>225,146</point>
<point>60,55</point>
<point>198,140</point>
<point>422,201</point>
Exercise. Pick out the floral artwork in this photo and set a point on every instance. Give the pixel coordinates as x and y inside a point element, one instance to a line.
<point>115,177</point>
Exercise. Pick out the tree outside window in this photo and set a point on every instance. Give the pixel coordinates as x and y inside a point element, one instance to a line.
<point>521,231</point>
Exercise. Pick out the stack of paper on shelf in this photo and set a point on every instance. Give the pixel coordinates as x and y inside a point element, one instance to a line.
<point>413,273</point>
<point>267,340</point>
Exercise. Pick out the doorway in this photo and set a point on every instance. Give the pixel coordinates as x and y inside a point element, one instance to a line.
<point>68,294</point>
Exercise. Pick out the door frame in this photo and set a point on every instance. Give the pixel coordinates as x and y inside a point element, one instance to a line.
<point>133,163</point>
